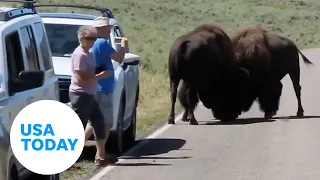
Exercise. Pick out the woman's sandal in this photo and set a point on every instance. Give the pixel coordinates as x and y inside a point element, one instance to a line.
<point>101,162</point>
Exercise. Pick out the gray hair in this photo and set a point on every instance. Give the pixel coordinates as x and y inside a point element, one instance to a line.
<point>85,31</point>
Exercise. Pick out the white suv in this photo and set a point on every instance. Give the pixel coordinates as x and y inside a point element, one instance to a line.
<point>26,75</point>
<point>62,34</point>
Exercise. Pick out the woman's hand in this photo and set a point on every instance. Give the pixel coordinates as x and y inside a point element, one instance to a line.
<point>103,74</point>
<point>85,79</point>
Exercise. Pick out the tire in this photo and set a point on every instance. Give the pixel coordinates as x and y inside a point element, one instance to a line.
<point>50,177</point>
<point>119,142</point>
<point>45,177</point>
<point>14,174</point>
<point>130,133</point>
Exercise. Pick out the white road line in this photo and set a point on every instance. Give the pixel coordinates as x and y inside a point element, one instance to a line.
<point>157,133</point>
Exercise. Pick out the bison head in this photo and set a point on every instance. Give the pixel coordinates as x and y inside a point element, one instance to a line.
<point>227,105</point>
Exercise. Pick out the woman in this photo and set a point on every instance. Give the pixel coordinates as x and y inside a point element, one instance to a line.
<point>83,88</point>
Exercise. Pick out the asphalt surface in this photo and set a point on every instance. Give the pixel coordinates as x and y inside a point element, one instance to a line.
<point>251,149</point>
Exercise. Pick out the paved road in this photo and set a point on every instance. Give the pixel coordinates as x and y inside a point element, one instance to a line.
<point>252,149</point>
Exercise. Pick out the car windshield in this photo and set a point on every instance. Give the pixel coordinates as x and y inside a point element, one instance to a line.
<point>62,38</point>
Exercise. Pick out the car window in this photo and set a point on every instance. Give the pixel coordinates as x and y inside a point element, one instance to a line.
<point>44,46</point>
<point>14,56</point>
<point>29,45</point>
<point>62,38</point>
<point>118,32</point>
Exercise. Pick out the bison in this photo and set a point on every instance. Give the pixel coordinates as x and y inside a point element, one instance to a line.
<point>205,62</point>
<point>268,56</point>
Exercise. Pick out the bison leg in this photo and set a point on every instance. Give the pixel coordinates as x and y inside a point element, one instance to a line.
<point>192,104</point>
<point>183,95</point>
<point>295,78</point>
<point>249,100</point>
<point>189,99</point>
<point>173,88</point>
<point>269,99</point>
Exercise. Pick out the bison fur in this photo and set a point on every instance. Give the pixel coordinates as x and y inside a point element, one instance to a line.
<point>268,56</point>
<point>205,62</point>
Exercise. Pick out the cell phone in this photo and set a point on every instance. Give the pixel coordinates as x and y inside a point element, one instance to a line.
<point>117,40</point>
<point>118,46</point>
<point>101,68</point>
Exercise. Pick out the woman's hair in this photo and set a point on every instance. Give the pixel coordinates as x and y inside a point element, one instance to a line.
<point>85,31</point>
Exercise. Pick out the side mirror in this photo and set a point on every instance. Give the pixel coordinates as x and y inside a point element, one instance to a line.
<point>27,80</point>
<point>130,60</point>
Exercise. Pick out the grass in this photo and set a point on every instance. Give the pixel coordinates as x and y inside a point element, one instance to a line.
<point>151,27</point>
<point>154,99</point>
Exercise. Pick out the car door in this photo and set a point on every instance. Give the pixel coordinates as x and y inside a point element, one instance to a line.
<point>29,49</point>
<point>11,103</point>
<point>16,62</point>
<point>51,85</point>
<point>30,54</point>
<point>131,76</point>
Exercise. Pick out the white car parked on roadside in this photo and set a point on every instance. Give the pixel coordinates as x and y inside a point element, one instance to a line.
<point>26,75</point>
<point>62,34</point>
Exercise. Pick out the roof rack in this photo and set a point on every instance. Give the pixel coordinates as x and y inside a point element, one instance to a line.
<point>27,8</point>
<point>104,11</point>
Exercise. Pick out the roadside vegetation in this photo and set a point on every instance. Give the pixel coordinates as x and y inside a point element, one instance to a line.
<point>151,27</point>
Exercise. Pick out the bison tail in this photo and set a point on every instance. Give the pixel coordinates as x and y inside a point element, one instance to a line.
<point>305,59</point>
<point>176,58</point>
<point>182,50</point>
<point>179,58</point>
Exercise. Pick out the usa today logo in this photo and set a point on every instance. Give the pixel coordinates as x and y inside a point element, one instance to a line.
<point>47,137</point>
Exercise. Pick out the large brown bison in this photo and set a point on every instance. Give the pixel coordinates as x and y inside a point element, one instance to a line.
<point>204,59</point>
<point>269,57</point>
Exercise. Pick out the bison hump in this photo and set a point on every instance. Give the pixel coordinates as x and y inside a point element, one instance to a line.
<point>252,48</point>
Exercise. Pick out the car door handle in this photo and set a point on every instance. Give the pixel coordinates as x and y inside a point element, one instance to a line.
<point>30,100</point>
